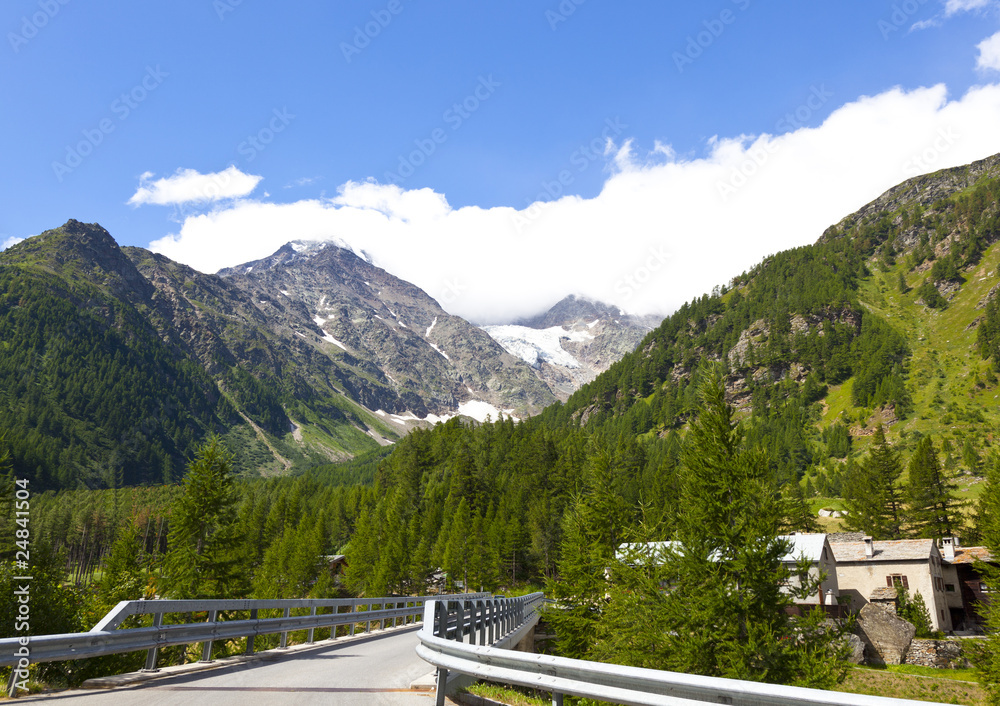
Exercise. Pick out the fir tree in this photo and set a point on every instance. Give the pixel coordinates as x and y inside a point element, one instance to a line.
<point>799,516</point>
<point>930,496</point>
<point>987,520</point>
<point>202,559</point>
<point>872,494</point>
<point>593,527</point>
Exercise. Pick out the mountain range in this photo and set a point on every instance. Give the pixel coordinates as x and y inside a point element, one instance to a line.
<point>312,354</point>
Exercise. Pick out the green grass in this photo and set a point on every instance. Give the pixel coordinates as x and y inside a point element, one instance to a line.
<point>509,696</point>
<point>907,682</point>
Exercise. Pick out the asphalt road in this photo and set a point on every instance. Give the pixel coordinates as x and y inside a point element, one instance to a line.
<point>371,671</point>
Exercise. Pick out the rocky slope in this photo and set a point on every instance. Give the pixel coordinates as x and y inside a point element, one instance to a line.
<point>574,341</point>
<point>422,361</point>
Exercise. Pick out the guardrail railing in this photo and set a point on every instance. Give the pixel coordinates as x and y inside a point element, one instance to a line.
<point>105,639</point>
<point>498,622</point>
<point>442,643</point>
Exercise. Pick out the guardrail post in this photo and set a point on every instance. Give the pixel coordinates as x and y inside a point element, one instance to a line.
<point>250,638</point>
<point>284,635</point>
<point>440,625</point>
<point>312,631</point>
<point>151,653</point>
<point>206,649</point>
<point>354,609</point>
<point>442,681</point>
<point>557,699</point>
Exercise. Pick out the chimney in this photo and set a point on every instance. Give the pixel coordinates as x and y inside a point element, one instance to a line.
<point>948,545</point>
<point>869,547</point>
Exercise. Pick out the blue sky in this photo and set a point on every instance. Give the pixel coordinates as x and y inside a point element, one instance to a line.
<point>423,132</point>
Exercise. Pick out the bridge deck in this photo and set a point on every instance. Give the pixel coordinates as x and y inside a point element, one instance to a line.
<point>369,670</point>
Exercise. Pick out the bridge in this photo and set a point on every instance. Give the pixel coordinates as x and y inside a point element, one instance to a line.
<point>462,638</point>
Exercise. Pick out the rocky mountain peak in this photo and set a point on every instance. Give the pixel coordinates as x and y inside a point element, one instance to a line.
<point>574,341</point>
<point>83,252</point>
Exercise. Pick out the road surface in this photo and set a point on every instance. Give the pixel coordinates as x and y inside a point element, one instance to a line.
<point>368,670</point>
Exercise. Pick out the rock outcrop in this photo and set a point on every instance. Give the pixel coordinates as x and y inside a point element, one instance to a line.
<point>887,637</point>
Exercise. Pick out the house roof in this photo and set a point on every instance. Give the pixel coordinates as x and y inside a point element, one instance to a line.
<point>888,550</point>
<point>967,555</point>
<point>884,593</point>
<point>807,545</point>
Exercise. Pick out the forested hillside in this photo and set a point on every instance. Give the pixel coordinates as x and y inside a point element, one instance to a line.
<point>815,349</point>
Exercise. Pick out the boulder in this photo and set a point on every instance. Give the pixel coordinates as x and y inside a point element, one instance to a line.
<point>857,645</point>
<point>887,637</point>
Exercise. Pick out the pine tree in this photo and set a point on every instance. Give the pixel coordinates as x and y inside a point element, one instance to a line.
<point>987,520</point>
<point>872,494</point>
<point>799,516</point>
<point>202,559</point>
<point>930,496</point>
<point>123,578</point>
<point>593,527</point>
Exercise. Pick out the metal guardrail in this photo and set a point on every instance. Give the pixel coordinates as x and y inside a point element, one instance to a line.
<point>442,644</point>
<point>105,639</point>
<point>499,622</point>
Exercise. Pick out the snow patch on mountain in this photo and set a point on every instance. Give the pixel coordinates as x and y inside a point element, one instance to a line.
<point>439,351</point>
<point>537,346</point>
<point>330,339</point>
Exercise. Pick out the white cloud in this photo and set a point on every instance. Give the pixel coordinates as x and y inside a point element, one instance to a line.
<point>662,231</point>
<point>188,185</point>
<point>12,240</point>
<point>953,7</point>
<point>989,53</point>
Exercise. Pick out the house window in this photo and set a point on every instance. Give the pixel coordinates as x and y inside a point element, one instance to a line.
<point>949,587</point>
<point>983,588</point>
<point>938,583</point>
<point>897,581</point>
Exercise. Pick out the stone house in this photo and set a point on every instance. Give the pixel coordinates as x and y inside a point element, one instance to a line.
<point>866,567</point>
<point>964,587</point>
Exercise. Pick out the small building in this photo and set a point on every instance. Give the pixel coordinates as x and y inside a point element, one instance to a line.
<point>965,590</point>
<point>336,564</point>
<point>866,566</point>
